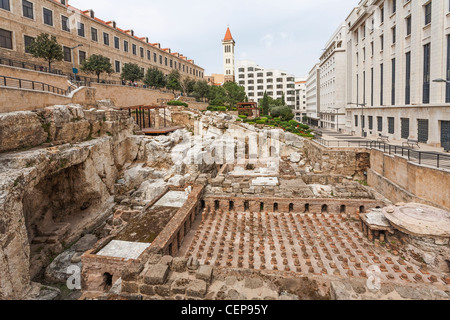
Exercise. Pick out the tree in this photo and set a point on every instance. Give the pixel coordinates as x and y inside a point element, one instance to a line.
<point>187,85</point>
<point>283,100</point>
<point>132,72</point>
<point>155,78</point>
<point>201,89</point>
<point>265,104</point>
<point>97,64</point>
<point>234,94</point>
<point>284,112</point>
<point>217,96</point>
<point>173,81</point>
<point>47,48</point>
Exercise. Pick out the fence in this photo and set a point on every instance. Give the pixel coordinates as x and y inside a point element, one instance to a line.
<point>29,66</point>
<point>31,85</point>
<point>432,159</point>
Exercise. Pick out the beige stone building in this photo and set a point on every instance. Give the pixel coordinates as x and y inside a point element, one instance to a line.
<point>22,20</point>
<point>313,95</point>
<point>396,49</point>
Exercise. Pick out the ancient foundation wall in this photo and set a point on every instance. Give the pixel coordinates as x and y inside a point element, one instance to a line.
<point>343,161</point>
<point>313,206</point>
<point>403,181</point>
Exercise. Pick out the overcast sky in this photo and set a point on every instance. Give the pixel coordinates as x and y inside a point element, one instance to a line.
<point>280,34</point>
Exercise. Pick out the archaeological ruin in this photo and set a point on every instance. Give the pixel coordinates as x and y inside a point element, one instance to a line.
<point>92,208</point>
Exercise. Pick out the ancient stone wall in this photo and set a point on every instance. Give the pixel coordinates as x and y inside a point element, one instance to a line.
<point>343,161</point>
<point>403,181</point>
<point>35,225</point>
<point>47,78</point>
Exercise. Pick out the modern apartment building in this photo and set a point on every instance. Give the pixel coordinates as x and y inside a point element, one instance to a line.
<point>256,80</point>
<point>396,50</point>
<point>22,20</point>
<point>300,98</point>
<point>333,78</point>
<point>313,95</point>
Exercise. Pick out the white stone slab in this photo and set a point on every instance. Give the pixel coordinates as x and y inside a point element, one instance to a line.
<point>123,249</point>
<point>265,181</point>
<point>173,199</point>
<point>377,218</point>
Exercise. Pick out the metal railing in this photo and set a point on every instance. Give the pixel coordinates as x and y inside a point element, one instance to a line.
<point>30,85</point>
<point>30,66</point>
<point>432,159</point>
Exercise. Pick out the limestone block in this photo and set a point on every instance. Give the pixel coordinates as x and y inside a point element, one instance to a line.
<point>156,274</point>
<point>179,286</point>
<point>196,289</point>
<point>179,264</point>
<point>205,273</point>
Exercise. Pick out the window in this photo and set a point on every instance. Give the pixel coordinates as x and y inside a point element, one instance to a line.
<point>27,8</point>
<point>125,46</point>
<point>371,87</point>
<point>394,34</point>
<point>391,125</point>
<point>428,13</point>
<point>393,83</point>
<point>4,4</point>
<point>81,57</point>
<point>423,129</point>
<point>382,42</point>
<point>94,34</point>
<point>408,78</point>
<point>105,38</point>
<point>356,120</point>
<point>80,27</point>
<point>116,43</point>
<point>382,14</point>
<point>141,52</point>
<point>171,65</point>
<point>48,17</point>
<point>447,95</point>
<point>67,54</point>
<point>405,128</point>
<point>134,49</point>
<point>408,26</point>
<point>382,83</point>
<point>426,73</point>
<point>371,49</point>
<point>5,39</point>
<point>117,65</point>
<point>370,123</point>
<point>394,6</point>
<point>149,56</point>
<point>27,41</point>
<point>65,26</point>
<point>155,58</point>
<point>165,61</point>
<point>380,124</point>
<point>160,59</point>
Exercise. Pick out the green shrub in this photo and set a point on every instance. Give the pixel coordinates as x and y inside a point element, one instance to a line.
<point>251,122</point>
<point>216,108</point>
<point>260,121</point>
<point>293,123</point>
<point>177,103</point>
<point>243,116</point>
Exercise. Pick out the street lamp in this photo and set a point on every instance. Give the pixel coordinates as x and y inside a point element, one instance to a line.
<point>362,115</point>
<point>441,80</point>
<point>73,60</point>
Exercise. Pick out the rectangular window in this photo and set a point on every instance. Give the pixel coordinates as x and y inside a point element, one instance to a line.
<point>5,39</point>
<point>48,17</point>
<point>67,54</point>
<point>370,123</point>
<point>27,8</point>
<point>65,26</point>
<point>80,28</point>
<point>380,124</point>
<point>408,79</point>
<point>381,84</point>
<point>4,4</point>
<point>371,87</point>
<point>81,57</point>
<point>394,6</point>
<point>428,13</point>
<point>94,34</point>
<point>405,128</point>
<point>426,73</point>
<point>447,96</point>
<point>27,41</point>
<point>160,59</point>
<point>408,26</point>
<point>125,46</point>
<point>356,121</point>
<point>391,125</point>
<point>118,66</point>
<point>382,42</point>
<point>422,128</point>
<point>117,43</point>
<point>155,58</point>
<point>149,55</point>
<point>382,14</point>
<point>394,35</point>
<point>141,52</point>
<point>393,83</point>
<point>105,38</point>
<point>134,49</point>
